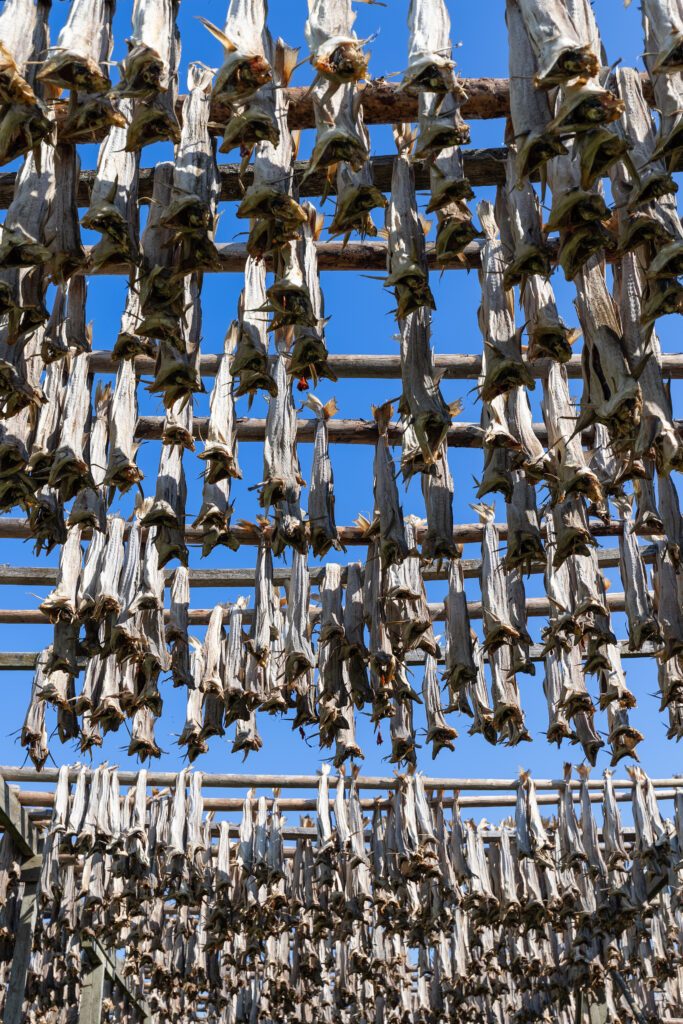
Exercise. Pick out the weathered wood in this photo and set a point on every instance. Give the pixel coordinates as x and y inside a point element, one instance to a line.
<point>535,606</point>
<point>460,435</point>
<point>46,576</point>
<point>451,366</point>
<point>23,939</point>
<point>90,1008</point>
<point>482,167</point>
<point>373,782</point>
<point>13,820</point>
<point>25,661</point>
<point>465,533</point>
<point>103,961</point>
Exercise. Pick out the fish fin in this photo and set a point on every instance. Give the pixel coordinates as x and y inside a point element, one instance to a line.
<point>226,43</point>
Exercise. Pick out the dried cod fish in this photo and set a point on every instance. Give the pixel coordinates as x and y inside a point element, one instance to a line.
<point>250,361</point>
<point>191,213</point>
<point>298,651</point>
<point>529,108</point>
<point>220,448</point>
<point>309,355</point>
<point>561,54</point>
<point>83,44</point>
<point>22,30</point>
<point>281,485</point>
<point>439,733</point>
<point>564,440</point>
<point>323,529</point>
<point>122,469</point>
<point>388,515</point>
<point>167,512</point>
<point>61,603</point>
<point>430,417</point>
<point>406,262</point>
<point>149,73</point>
<point>437,491</point>
<point>113,209</point>
<point>461,668</point>
<point>502,364</point>
<point>642,624</point>
<point>498,627</point>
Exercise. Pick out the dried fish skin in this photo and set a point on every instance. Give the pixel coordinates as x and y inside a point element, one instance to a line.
<point>354,651</point>
<point>250,361</point>
<point>323,529</point>
<point>519,651</point>
<point>498,628</point>
<point>19,31</point>
<point>657,436</point>
<point>150,73</point>
<point>667,603</point>
<point>122,469</point>
<point>90,507</point>
<point>564,441</point>
<point>129,343</point>
<point>549,337</point>
<point>337,137</point>
<point>524,546</point>
<point>388,514</point>
<point>68,254</point>
<point>439,733</point>
<point>642,624</point>
<point>406,262</point>
<point>62,603</point>
<point>220,449</point>
<point>83,44</point>
<point>48,425</point>
<point>555,661</point>
<point>429,415</point>
<point>502,364</point>
<point>664,26</point>
<point>560,52</point>
<point>215,516</point>
<point>299,656</point>
<point>34,731</point>
<point>23,234</point>
<point>437,491</point>
<point>309,355</point>
<point>612,394</point>
<point>282,479</point>
<point>519,215</point>
<point>113,209</point>
<point>176,373</point>
<point>572,533</point>
<point>461,667</point>
<point>167,511</point>
<point>70,472</point>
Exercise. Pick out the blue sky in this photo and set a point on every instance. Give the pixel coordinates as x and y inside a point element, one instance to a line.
<point>360,321</point>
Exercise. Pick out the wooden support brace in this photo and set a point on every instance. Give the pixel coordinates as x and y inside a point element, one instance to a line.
<point>13,819</point>
<point>92,989</point>
<point>106,964</point>
<point>23,939</point>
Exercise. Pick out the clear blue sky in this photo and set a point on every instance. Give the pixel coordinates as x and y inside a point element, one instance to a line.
<point>360,321</point>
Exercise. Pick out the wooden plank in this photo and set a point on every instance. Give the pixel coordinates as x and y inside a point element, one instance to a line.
<point>46,575</point>
<point>351,536</point>
<point>482,167</point>
<point>25,661</point>
<point>212,780</point>
<point>13,819</point>
<point>23,941</point>
<point>92,990</point>
<point>535,606</point>
<point>107,962</point>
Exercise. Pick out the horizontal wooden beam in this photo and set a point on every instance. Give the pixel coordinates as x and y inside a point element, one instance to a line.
<point>14,773</point>
<point>535,606</point>
<point>46,575</point>
<point>359,365</point>
<point>25,661</point>
<point>465,533</point>
<point>481,167</point>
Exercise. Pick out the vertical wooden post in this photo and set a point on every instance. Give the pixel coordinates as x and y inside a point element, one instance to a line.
<point>90,1009</point>
<point>30,876</point>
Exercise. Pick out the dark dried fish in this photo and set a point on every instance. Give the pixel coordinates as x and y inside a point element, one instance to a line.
<point>220,449</point>
<point>150,73</point>
<point>406,261</point>
<point>83,44</point>
<point>299,657</point>
<point>388,515</point>
<point>323,529</point>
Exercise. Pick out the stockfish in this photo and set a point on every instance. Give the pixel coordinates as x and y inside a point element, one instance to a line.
<point>406,261</point>
<point>34,731</point>
<point>498,626</point>
<point>562,55</point>
<point>122,470</point>
<point>61,604</point>
<point>220,448</point>
<point>149,73</point>
<point>439,733</point>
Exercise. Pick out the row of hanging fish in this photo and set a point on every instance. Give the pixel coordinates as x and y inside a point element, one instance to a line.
<point>411,914</point>
<point>350,650</point>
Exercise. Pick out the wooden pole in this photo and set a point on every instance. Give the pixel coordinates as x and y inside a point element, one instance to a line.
<point>13,773</point>
<point>535,606</point>
<point>464,533</point>
<point>451,366</point>
<point>92,989</point>
<point>23,941</point>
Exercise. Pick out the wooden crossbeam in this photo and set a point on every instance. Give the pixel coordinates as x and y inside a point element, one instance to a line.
<point>46,575</point>
<point>361,365</point>
<point>535,606</point>
<point>351,536</point>
<point>284,781</point>
<point>25,661</point>
<point>481,167</point>
<point>460,435</point>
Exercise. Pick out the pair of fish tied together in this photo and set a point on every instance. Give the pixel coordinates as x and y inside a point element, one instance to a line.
<point>412,909</point>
